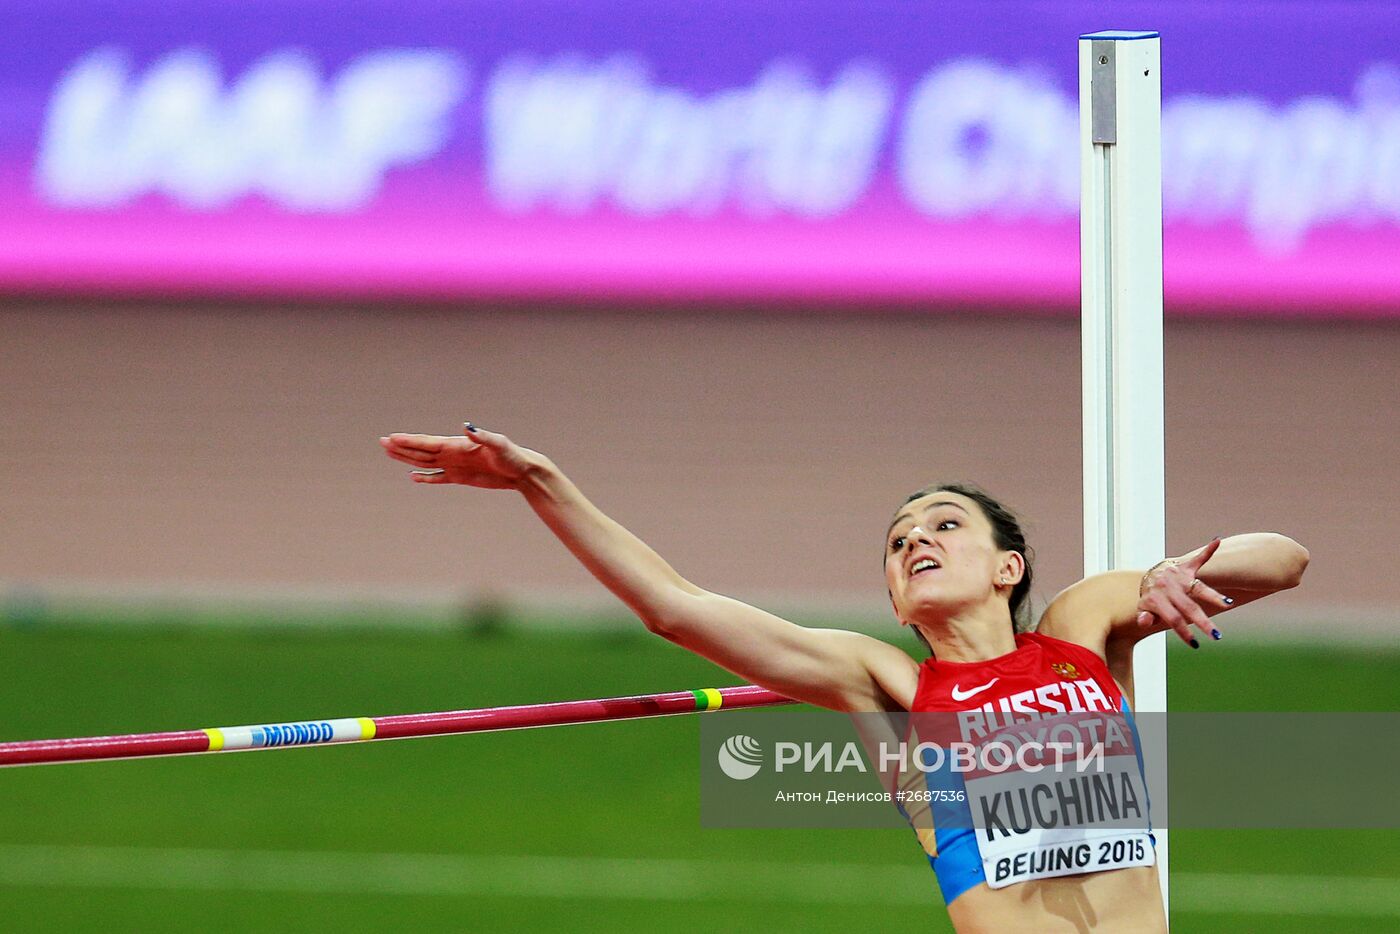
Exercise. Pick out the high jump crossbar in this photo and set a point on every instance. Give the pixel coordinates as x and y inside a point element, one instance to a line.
<point>401,726</point>
<point>1120,146</point>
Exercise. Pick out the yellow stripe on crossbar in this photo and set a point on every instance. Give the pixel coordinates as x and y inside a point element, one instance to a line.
<point>366,728</point>
<point>216,739</point>
<point>713,699</point>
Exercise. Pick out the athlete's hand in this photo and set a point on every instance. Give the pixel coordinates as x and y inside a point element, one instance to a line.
<point>1174,597</point>
<point>478,458</point>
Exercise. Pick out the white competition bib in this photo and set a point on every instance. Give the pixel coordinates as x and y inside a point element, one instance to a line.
<point>1074,807</point>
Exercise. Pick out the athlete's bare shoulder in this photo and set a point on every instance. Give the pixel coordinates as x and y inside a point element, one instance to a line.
<point>1085,613</point>
<point>897,673</point>
<point>894,674</point>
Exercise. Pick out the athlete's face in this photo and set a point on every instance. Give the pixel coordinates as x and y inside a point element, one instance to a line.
<point>941,556</point>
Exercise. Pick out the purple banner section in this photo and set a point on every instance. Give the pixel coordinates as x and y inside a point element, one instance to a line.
<point>809,150</point>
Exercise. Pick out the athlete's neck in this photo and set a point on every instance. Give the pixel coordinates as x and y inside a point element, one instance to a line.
<point>972,636</point>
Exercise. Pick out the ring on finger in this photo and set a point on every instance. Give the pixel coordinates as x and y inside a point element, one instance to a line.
<point>1192,586</point>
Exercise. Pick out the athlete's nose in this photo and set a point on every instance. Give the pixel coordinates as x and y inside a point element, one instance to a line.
<point>917,536</point>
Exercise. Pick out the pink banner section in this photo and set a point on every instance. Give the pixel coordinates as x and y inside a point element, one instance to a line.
<point>1027,267</point>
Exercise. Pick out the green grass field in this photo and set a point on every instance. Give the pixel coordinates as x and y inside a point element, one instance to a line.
<point>574,829</point>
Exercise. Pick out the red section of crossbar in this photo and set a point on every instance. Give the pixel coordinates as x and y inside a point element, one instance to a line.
<point>89,748</point>
<point>584,711</point>
<point>184,742</point>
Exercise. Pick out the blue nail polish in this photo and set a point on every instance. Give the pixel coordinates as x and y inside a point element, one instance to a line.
<point>470,427</point>
<point>1215,634</point>
<point>1229,601</point>
<point>1195,644</point>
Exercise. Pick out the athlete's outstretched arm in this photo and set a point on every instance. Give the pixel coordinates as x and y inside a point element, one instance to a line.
<point>1178,593</point>
<point>833,668</point>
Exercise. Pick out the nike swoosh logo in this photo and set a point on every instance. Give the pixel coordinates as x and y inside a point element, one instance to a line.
<point>961,695</point>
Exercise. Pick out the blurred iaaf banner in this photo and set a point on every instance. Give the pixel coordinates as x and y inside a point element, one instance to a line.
<point>819,149</point>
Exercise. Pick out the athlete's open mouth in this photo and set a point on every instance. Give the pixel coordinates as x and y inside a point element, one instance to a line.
<point>923,565</point>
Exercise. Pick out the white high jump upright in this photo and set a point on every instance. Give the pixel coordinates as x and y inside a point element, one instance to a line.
<point>1120,133</point>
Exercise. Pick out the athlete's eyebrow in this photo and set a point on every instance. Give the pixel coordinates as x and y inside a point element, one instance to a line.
<point>927,509</point>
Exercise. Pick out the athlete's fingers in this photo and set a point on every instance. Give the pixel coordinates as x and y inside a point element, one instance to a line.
<point>1150,621</point>
<point>491,439</point>
<point>1157,611</point>
<point>427,443</point>
<point>1192,613</point>
<point>1207,596</point>
<point>410,456</point>
<point>1193,564</point>
<point>1183,631</point>
<point>1211,600</point>
<point>1167,614</point>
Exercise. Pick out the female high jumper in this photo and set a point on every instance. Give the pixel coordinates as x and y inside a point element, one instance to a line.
<point>958,571</point>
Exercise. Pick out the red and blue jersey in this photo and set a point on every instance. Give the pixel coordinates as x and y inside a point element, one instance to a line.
<point>1017,815</point>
